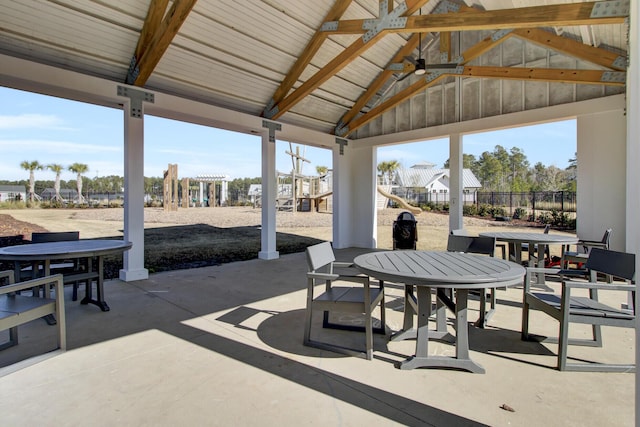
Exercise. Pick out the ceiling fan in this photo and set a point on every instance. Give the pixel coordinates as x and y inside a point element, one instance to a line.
<point>421,66</point>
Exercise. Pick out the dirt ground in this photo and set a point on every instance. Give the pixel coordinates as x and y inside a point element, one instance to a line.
<point>208,236</point>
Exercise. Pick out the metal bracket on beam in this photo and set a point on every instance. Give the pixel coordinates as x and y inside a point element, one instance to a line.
<point>343,142</point>
<point>607,9</point>
<point>620,62</point>
<point>273,127</point>
<point>137,97</point>
<point>500,34</point>
<point>386,21</point>
<point>271,109</point>
<point>341,129</point>
<point>446,7</point>
<point>329,26</point>
<point>614,76</point>
<point>132,73</point>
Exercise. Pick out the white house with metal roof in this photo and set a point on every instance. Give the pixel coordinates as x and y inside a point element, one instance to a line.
<point>434,181</point>
<point>12,193</point>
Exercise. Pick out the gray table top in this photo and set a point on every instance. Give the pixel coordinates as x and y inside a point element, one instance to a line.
<point>541,238</point>
<point>61,250</point>
<point>440,269</point>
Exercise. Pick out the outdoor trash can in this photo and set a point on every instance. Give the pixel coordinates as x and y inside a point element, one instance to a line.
<point>405,231</point>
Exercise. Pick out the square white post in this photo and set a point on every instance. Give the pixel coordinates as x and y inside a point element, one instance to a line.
<point>456,184</point>
<point>269,187</point>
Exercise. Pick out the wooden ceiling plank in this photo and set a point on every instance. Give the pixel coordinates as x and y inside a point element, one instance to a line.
<point>338,9</point>
<point>572,48</point>
<point>335,65</point>
<point>169,27</point>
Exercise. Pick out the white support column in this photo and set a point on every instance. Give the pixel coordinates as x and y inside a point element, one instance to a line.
<point>201,196</point>
<point>354,196</point>
<point>456,184</point>
<point>269,192</point>
<point>133,259</point>
<point>223,192</point>
<point>633,159</point>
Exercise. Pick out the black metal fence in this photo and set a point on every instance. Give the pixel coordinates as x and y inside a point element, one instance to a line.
<point>530,204</point>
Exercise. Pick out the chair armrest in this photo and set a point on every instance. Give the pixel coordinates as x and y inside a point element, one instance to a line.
<point>322,276</point>
<point>340,264</point>
<point>33,283</point>
<point>600,285</point>
<point>7,274</point>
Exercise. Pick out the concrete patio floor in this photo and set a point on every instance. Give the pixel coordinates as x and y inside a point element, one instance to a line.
<point>223,346</point>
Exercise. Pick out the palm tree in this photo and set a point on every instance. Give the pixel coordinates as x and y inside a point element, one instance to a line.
<point>79,169</point>
<point>31,167</point>
<point>322,170</point>
<point>56,186</point>
<point>387,169</point>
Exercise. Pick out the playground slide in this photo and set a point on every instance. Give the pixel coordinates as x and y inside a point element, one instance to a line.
<point>413,209</point>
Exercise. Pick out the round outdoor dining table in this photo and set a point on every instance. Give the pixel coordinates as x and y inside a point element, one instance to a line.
<point>440,270</point>
<point>539,240</point>
<point>47,252</point>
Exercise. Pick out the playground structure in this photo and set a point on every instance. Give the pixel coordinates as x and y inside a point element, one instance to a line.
<point>400,201</point>
<point>299,192</point>
<point>192,196</point>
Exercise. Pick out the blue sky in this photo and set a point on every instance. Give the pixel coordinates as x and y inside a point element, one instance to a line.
<point>54,130</point>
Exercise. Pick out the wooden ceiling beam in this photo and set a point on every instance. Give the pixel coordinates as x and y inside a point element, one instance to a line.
<point>157,38</point>
<point>555,75</point>
<point>338,9</point>
<point>347,122</point>
<point>378,82</point>
<point>334,66</point>
<point>573,48</point>
<point>567,14</point>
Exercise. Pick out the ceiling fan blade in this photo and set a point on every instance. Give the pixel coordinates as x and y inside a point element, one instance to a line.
<point>450,66</point>
<point>399,79</point>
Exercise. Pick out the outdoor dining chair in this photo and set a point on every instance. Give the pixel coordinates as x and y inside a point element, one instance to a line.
<point>580,255</point>
<point>482,246</point>
<point>362,299</point>
<point>569,308</point>
<point>65,266</point>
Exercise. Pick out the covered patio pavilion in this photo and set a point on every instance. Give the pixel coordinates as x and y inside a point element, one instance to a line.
<point>334,75</point>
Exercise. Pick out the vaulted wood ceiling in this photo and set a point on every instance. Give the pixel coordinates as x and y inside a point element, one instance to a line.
<point>339,66</point>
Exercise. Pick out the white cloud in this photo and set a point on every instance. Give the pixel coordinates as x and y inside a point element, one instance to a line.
<point>48,146</point>
<point>31,121</point>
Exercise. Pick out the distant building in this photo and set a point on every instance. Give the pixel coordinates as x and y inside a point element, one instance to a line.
<point>67,194</point>
<point>13,193</point>
<point>423,182</point>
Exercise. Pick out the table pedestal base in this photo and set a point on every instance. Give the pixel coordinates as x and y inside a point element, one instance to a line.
<point>423,334</point>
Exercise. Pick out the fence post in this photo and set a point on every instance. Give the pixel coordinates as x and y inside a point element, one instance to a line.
<point>533,205</point>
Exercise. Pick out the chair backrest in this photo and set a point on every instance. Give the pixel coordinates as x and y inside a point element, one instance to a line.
<point>470,244</point>
<point>617,264</point>
<point>319,256</point>
<point>607,237</point>
<point>61,236</point>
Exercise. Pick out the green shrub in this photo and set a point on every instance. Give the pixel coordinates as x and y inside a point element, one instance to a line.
<point>469,210</point>
<point>519,213</point>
